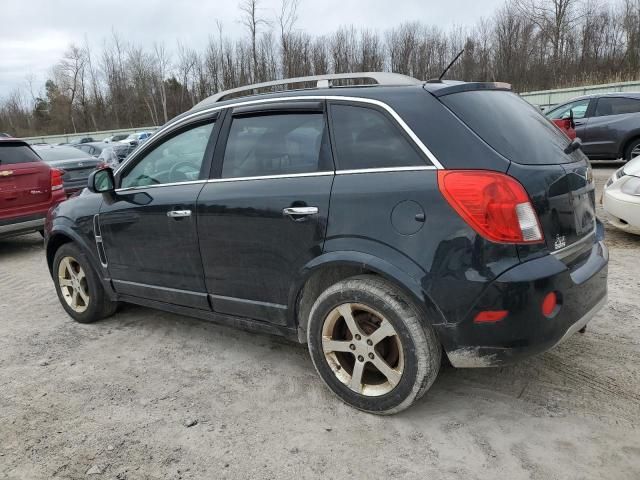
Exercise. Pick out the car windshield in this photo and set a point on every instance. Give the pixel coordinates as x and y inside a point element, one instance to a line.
<point>52,154</point>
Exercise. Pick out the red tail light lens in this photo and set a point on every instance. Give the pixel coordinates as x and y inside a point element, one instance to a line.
<point>494,204</point>
<point>56,179</point>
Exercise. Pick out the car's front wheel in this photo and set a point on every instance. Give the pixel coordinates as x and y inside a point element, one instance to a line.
<point>78,287</point>
<point>370,347</point>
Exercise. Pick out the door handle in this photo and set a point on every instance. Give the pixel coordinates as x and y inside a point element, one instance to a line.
<point>179,213</point>
<point>299,213</point>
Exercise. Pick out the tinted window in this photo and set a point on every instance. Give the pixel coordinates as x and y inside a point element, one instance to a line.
<point>579,109</point>
<point>177,159</point>
<point>511,126</point>
<point>276,145</point>
<point>366,138</point>
<point>617,106</point>
<point>52,154</point>
<point>16,153</point>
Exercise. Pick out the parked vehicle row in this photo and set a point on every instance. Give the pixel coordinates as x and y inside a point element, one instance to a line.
<point>75,164</point>
<point>346,218</point>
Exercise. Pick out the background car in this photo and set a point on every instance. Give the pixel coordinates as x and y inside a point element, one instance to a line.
<point>136,138</point>
<point>92,148</point>
<point>28,188</point>
<point>567,126</point>
<point>76,141</point>
<point>115,138</point>
<point>4,135</point>
<point>621,197</point>
<point>607,124</point>
<point>76,164</point>
<point>115,153</point>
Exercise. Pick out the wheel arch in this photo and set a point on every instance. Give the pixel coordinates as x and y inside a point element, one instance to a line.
<point>632,137</point>
<point>332,267</point>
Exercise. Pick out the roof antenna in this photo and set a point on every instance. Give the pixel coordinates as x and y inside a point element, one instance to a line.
<point>444,72</point>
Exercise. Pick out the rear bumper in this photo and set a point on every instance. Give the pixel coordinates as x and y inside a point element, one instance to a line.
<point>581,288</point>
<point>20,225</point>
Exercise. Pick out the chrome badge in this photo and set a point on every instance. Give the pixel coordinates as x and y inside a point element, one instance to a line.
<point>560,242</point>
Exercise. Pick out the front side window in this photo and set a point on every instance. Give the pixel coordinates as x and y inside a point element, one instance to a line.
<point>177,159</point>
<point>276,144</point>
<point>579,109</point>
<point>366,138</point>
<point>617,106</point>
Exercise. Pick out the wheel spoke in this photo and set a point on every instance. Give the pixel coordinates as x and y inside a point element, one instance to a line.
<point>356,377</point>
<point>347,314</point>
<point>65,282</point>
<point>74,299</point>
<point>80,275</point>
<point>84,296</point>
<point>329,345</point>
<point>67,267</point>
<point>384,330</point>
<point>393,376</point>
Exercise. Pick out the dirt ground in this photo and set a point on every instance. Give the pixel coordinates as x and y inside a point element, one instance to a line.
<point>113,399</point>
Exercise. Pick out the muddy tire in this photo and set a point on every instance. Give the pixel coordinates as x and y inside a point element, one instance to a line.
<point>78,287</point>
<point>371,347</point>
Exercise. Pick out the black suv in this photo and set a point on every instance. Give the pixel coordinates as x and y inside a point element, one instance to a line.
<point>380,224</point>
<point>608,124</point>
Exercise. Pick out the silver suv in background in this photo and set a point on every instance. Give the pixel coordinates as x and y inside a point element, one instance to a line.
<point>608,124</point>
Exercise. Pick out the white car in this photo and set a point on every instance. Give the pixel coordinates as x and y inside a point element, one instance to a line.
<point>621,198</point>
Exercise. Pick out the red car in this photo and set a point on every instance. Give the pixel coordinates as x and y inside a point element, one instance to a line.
<point>28,188</point>
<point>567,126</point>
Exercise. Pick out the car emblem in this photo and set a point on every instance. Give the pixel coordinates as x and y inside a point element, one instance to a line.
<point>6,173</point>
<point>80,164</point>
<point>35,192</point>
<point>561,242</point>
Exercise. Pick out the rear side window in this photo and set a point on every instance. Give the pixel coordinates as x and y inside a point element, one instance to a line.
<point>616,106</point>
<point>511,126</point>
<point>16,153</point>
<point>366,138</point>
<point>276,144</point>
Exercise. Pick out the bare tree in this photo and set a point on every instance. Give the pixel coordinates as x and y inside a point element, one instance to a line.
<point>252,21</point>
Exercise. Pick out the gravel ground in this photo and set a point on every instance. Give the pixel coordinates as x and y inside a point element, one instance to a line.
<point>114,399</point>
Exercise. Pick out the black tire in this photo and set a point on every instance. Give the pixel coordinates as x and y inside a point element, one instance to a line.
<point>634,145</point>
<point>422,351</point>
<point>99,305</point>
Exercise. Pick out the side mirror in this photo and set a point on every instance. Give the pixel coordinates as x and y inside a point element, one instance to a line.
<point>102,181</point>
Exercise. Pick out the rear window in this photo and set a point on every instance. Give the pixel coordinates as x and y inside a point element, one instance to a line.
<point>16,153</point>
<point>511,126</point>
<point>49,154</point>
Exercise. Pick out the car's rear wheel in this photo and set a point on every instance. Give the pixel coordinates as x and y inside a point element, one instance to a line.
<point>78,287</point>
<point>370,347</point>
<point>632,150</point>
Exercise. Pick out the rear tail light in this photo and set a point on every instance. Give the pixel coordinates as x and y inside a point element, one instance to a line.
<point>494,204</point>
<point>490,316</point>
<point>56,179</point>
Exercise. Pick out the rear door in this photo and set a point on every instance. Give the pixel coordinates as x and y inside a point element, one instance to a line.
<point>25,181</point>
<point>263,216</point>
<point>610,124</point>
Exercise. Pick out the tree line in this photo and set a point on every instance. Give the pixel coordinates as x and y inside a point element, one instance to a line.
<point>532,44</point>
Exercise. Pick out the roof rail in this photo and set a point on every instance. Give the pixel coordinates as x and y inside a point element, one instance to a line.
<point>322,81</point>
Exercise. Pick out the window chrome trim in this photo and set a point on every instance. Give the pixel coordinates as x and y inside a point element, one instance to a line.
<point>270,177</point>
<point>386,169</point>
<point>156,185</point>
<point>177,123</point>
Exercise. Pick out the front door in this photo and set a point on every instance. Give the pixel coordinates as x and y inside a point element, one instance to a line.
<point>149,227</point>
<point>265,215</point>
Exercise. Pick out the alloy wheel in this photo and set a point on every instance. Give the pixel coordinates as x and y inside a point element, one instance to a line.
<point>635,152</point>
<point>73,284</point>
<point>363,349</point>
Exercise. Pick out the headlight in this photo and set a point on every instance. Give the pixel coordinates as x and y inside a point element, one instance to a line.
<point>631,186</point>
<point>616,176</point>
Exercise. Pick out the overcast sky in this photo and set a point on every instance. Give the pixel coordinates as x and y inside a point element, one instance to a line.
<point>35,33</point>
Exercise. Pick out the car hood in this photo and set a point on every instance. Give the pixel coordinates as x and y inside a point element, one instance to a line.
<point>633,167</point>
